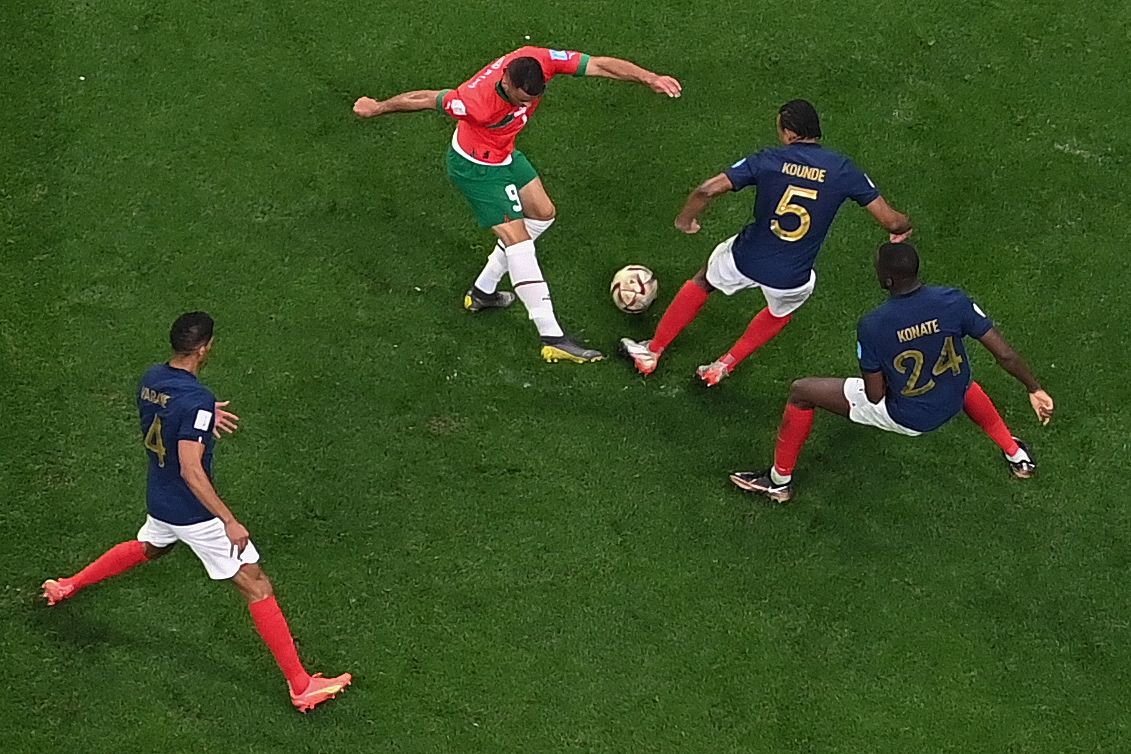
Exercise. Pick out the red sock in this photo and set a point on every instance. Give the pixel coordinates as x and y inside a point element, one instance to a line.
<point>762,329</point>
<point>118,559</point>
<point>796,424</point>
<point>981,409</point>
<point>272,626</point>
<point>679,314</point>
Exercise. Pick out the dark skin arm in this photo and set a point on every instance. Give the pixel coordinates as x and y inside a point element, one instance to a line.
<point>191,454</point>
<point>1012,362</point>
<point>895,222</point>
<point>700,199</point>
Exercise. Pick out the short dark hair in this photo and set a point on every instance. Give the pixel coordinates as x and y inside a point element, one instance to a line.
<point>898,261</point>
<point>527,75</point>
<point>191,331</point>
<point>801,117</point>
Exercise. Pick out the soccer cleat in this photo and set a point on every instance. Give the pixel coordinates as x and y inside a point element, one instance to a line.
<point>55,591</point>
<point>1022,469</point>
<point>713,373</point>
<point>563,348</point>
<point>319,690</point>
<point>476,301</point>
<point>640,352</point>
<point>763,484</point>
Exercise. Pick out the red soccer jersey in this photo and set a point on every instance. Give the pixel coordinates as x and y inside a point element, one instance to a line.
<point>488,122</point>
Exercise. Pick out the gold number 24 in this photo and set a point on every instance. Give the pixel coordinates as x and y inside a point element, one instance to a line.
<point>788,207</point>
<point>948,361</point>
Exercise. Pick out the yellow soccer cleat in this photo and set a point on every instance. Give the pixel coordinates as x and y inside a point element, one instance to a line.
<point>476,301</point>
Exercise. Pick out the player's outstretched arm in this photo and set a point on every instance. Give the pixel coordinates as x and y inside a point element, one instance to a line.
<point>191,454</point>
<point>408,102</point>
<point>1012,362</point>
<point>897,224</point>
<point>700,199</point>
<point>624,70</point>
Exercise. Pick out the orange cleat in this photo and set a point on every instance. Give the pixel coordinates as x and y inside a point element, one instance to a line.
<point>319,690</point>
<point>55,591</point>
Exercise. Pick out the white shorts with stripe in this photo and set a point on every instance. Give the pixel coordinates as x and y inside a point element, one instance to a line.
<point>723,274</point>
<point>863,411</point>
<point>207,539</point>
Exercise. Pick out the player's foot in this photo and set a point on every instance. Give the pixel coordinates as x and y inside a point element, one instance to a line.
<point>640,353</point>
<point>319,690</point>
<point>1025,468</point>
<point>713,373</point>
<point>57,590</point>
<point>563,348</point>
<point>762,484</point>
<point>476,300</point>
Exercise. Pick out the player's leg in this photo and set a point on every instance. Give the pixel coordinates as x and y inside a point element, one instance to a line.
<point>209,542</point>
<point>984,413</point>
<point>307,691</point>
<point>153,542</point>
<point>805,396</point>
<point>539,213</point>
<point>719,274</point>
<point>766,325</point>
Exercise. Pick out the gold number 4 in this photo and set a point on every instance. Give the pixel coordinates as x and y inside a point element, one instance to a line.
<point>155,442</point>
<point>787,207</point>
<point>948,361</point>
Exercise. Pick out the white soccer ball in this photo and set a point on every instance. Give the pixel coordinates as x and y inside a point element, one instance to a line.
<point>634,288</point>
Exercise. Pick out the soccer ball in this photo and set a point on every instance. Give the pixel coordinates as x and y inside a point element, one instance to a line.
<point>634,288</point>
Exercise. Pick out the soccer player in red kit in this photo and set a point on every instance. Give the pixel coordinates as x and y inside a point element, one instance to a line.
<point>179,418</point>
<point>499,182</point>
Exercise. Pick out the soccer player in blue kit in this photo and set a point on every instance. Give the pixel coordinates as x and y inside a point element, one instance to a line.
<point>915,375</point>
<point>180,419</point>
<point>800,187</point>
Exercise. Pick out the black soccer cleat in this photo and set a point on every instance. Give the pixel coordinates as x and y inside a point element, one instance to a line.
<point>763,484</point>
<point>1022,469</point>
<point>476,300</point>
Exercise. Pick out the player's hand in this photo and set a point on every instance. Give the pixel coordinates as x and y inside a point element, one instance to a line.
<point>225,420</point>
<point>688,225</point>
<point>237,535</point>
<point>1042,404</point>
<point>666,85</point>
<point>367,107</point>
<point>900,237</point>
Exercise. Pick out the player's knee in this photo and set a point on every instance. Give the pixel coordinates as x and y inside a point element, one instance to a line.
<point>254,584</point>
<point>798,390</point>
<point>700,279</point>
<point>153,552</point>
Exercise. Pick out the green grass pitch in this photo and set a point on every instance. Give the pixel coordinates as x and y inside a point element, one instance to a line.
<point>518,557</point>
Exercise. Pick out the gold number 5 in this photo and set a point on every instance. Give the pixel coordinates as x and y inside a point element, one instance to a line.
<point>787,207</point>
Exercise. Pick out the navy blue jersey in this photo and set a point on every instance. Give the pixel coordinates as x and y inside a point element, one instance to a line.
<point>800,189</point>
<point>916,340</point>
<point>173,405</point>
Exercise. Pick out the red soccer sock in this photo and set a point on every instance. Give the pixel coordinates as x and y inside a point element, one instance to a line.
<point>679,314</point>
<point>762,329</point>
<point>796,423</point>
<point>983,412</point>
<point>118,559</point>
<point>272,626</point>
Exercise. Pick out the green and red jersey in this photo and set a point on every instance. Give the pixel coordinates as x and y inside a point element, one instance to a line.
<point>489,123</point>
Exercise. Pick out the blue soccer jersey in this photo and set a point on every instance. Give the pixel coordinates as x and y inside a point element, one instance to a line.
<point>916,340</point>
<point>173,405</point>
<point>800,188</point>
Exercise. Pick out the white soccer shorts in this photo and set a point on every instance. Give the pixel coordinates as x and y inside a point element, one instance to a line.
<point>723,274</point>
<point>863,411</point>
<point>207,539</point>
